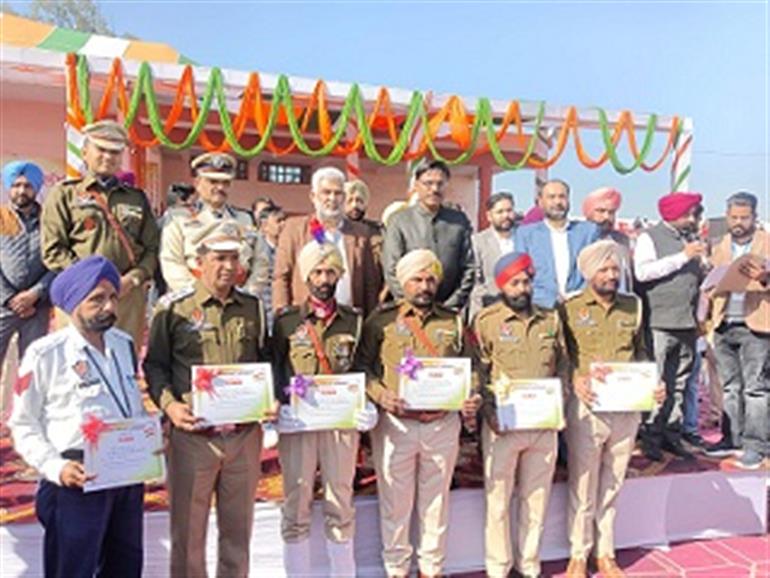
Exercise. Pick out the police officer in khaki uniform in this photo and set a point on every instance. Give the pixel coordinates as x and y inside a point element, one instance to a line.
<point>600,325</point>
<point>414,451</point>
<point>211,322</point>
<point>96,214</point>
<point>183,233</point>
<point>317,337</point>
<point>516,340</point>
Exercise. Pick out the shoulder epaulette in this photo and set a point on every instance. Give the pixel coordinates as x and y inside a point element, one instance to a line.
<point>350,309</point>
<point>283,311</point>
<point>175,296</point>
<point>247,292</point>
<point>572,295</point>
<point>387,306</point>
<point>447,309</point>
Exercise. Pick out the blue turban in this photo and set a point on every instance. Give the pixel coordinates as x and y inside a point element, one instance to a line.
<point>74,284</point>
<point>16,169</point>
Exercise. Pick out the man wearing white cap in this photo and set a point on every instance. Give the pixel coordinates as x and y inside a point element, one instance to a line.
<point>318,337</point>
<point>214,173</point>
<point>414,451</point>
<point>97,214</point>
<point>209,323</point>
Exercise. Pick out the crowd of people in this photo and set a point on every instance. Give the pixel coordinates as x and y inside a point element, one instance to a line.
<point>333,292</point>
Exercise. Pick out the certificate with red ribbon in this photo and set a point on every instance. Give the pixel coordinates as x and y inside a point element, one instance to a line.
<point>123,452</point>
<point>232,394</point>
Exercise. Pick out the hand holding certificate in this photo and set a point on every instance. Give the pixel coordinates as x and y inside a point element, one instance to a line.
<point>232,394</point>
<point>624,386</point>
<point>435,383</point>
<point>122,453</point>
<point>325,402</point>
<point>529,404</point>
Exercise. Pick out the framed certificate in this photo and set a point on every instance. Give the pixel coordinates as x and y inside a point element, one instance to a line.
<point>624,386</point>
<point>438,384</point>
<point>123,453</point>
<point>330,402</point>
<point>529,404</point>
<point>231,394</point>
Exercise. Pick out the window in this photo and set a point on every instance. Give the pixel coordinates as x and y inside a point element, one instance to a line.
<point>284,174</point>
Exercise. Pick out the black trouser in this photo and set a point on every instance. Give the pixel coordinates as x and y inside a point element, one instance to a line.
<point>91,534</point>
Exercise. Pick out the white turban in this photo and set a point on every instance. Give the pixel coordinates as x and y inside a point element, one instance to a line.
<point>314,254</point>
<point>415,262</point>
<point>595,255</point>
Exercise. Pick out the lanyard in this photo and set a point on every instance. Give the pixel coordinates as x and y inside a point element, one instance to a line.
<point>124,410</point>
<point>323,360</point>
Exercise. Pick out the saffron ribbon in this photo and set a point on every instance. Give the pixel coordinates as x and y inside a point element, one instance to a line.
<point>409,365</point>
<point>317,230</point>
<point>298,385</point>
<point>204,380</point>
<point>93,428</point>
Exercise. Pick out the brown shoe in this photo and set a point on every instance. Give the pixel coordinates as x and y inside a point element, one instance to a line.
<point>608,568</point>
<point>577,568</point>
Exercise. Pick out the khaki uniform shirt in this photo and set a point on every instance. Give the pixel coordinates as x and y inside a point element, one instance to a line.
<point>597,334</point>
<point>184,232</point>
<point>73,226</point>
<point>386,336</point>
<point>191,327</point>
<point>508,344</point>
<point>293,349</point>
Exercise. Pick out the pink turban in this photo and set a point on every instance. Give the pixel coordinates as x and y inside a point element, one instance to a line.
<point>676,205</point>
<point>534,215</point>
<point>601,196</point>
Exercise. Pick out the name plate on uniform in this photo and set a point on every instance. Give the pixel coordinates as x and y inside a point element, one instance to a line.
<point>624,386</point>
<point>123,453</point>
<point>436,384</point>
<point>330,402</point>
<point>232,394</point>
<point>524,404</point>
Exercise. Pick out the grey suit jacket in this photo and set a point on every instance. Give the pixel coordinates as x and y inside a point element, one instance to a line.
<point>486,252</point>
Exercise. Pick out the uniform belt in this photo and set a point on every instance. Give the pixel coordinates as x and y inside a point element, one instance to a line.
<point>73,455</point>
<point>422,416</point>
<point>222,430</point>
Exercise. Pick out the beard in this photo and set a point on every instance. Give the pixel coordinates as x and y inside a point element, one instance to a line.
<point>325,214</point>
<point>521,303</point>
<point>22,201</point>
<point>739,232</point>
<point>607,289</point>
<point>556,213</point>
<point>99,323</point>
<point>323,292</point>
<point>422,300</point>
<point>504,226</point>
<point>355,214</point>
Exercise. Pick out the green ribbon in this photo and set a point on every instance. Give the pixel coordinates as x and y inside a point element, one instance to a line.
<point>353,107</point>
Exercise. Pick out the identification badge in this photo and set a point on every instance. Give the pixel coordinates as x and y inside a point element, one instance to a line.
<point>506,334</point>
<point>584,319</point>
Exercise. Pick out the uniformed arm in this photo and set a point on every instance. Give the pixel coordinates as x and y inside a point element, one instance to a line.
<point>569,345</point>
<point>482,365</point>
<point>157,362</point>
<point>393,248</point>
<point>372,278</point>
<point>283,272</point>
<point>563,364</point>
<point>280,360</point>
<point>173,264</point>
<point>459,296</point>
<point>55,224</point>
<point>27,432</point>
<point>150,240</point>
<point>368,358</point>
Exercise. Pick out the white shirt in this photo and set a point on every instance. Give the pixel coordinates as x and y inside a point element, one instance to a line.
<point>560,245</point>
<point>736,303</point>
<point>344,292</point>
<point>505,243</point>
<point>648,267</point>
<point>62,379</point>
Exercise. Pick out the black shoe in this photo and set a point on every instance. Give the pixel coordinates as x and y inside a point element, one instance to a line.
<point>678,450</point>
<point>721,449</point>
<point>694,439</point>
<point>652,452</point>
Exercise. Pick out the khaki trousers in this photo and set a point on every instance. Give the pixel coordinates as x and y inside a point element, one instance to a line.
<point>200,466</point>
<point>132,316</point>
<point>524,460</point>
<point>414,459</point>
<point>301,454</point>
<point>599,449</point>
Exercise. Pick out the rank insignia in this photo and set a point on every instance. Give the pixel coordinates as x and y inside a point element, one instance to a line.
<point>584,318</point>
<point>506,334</point>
